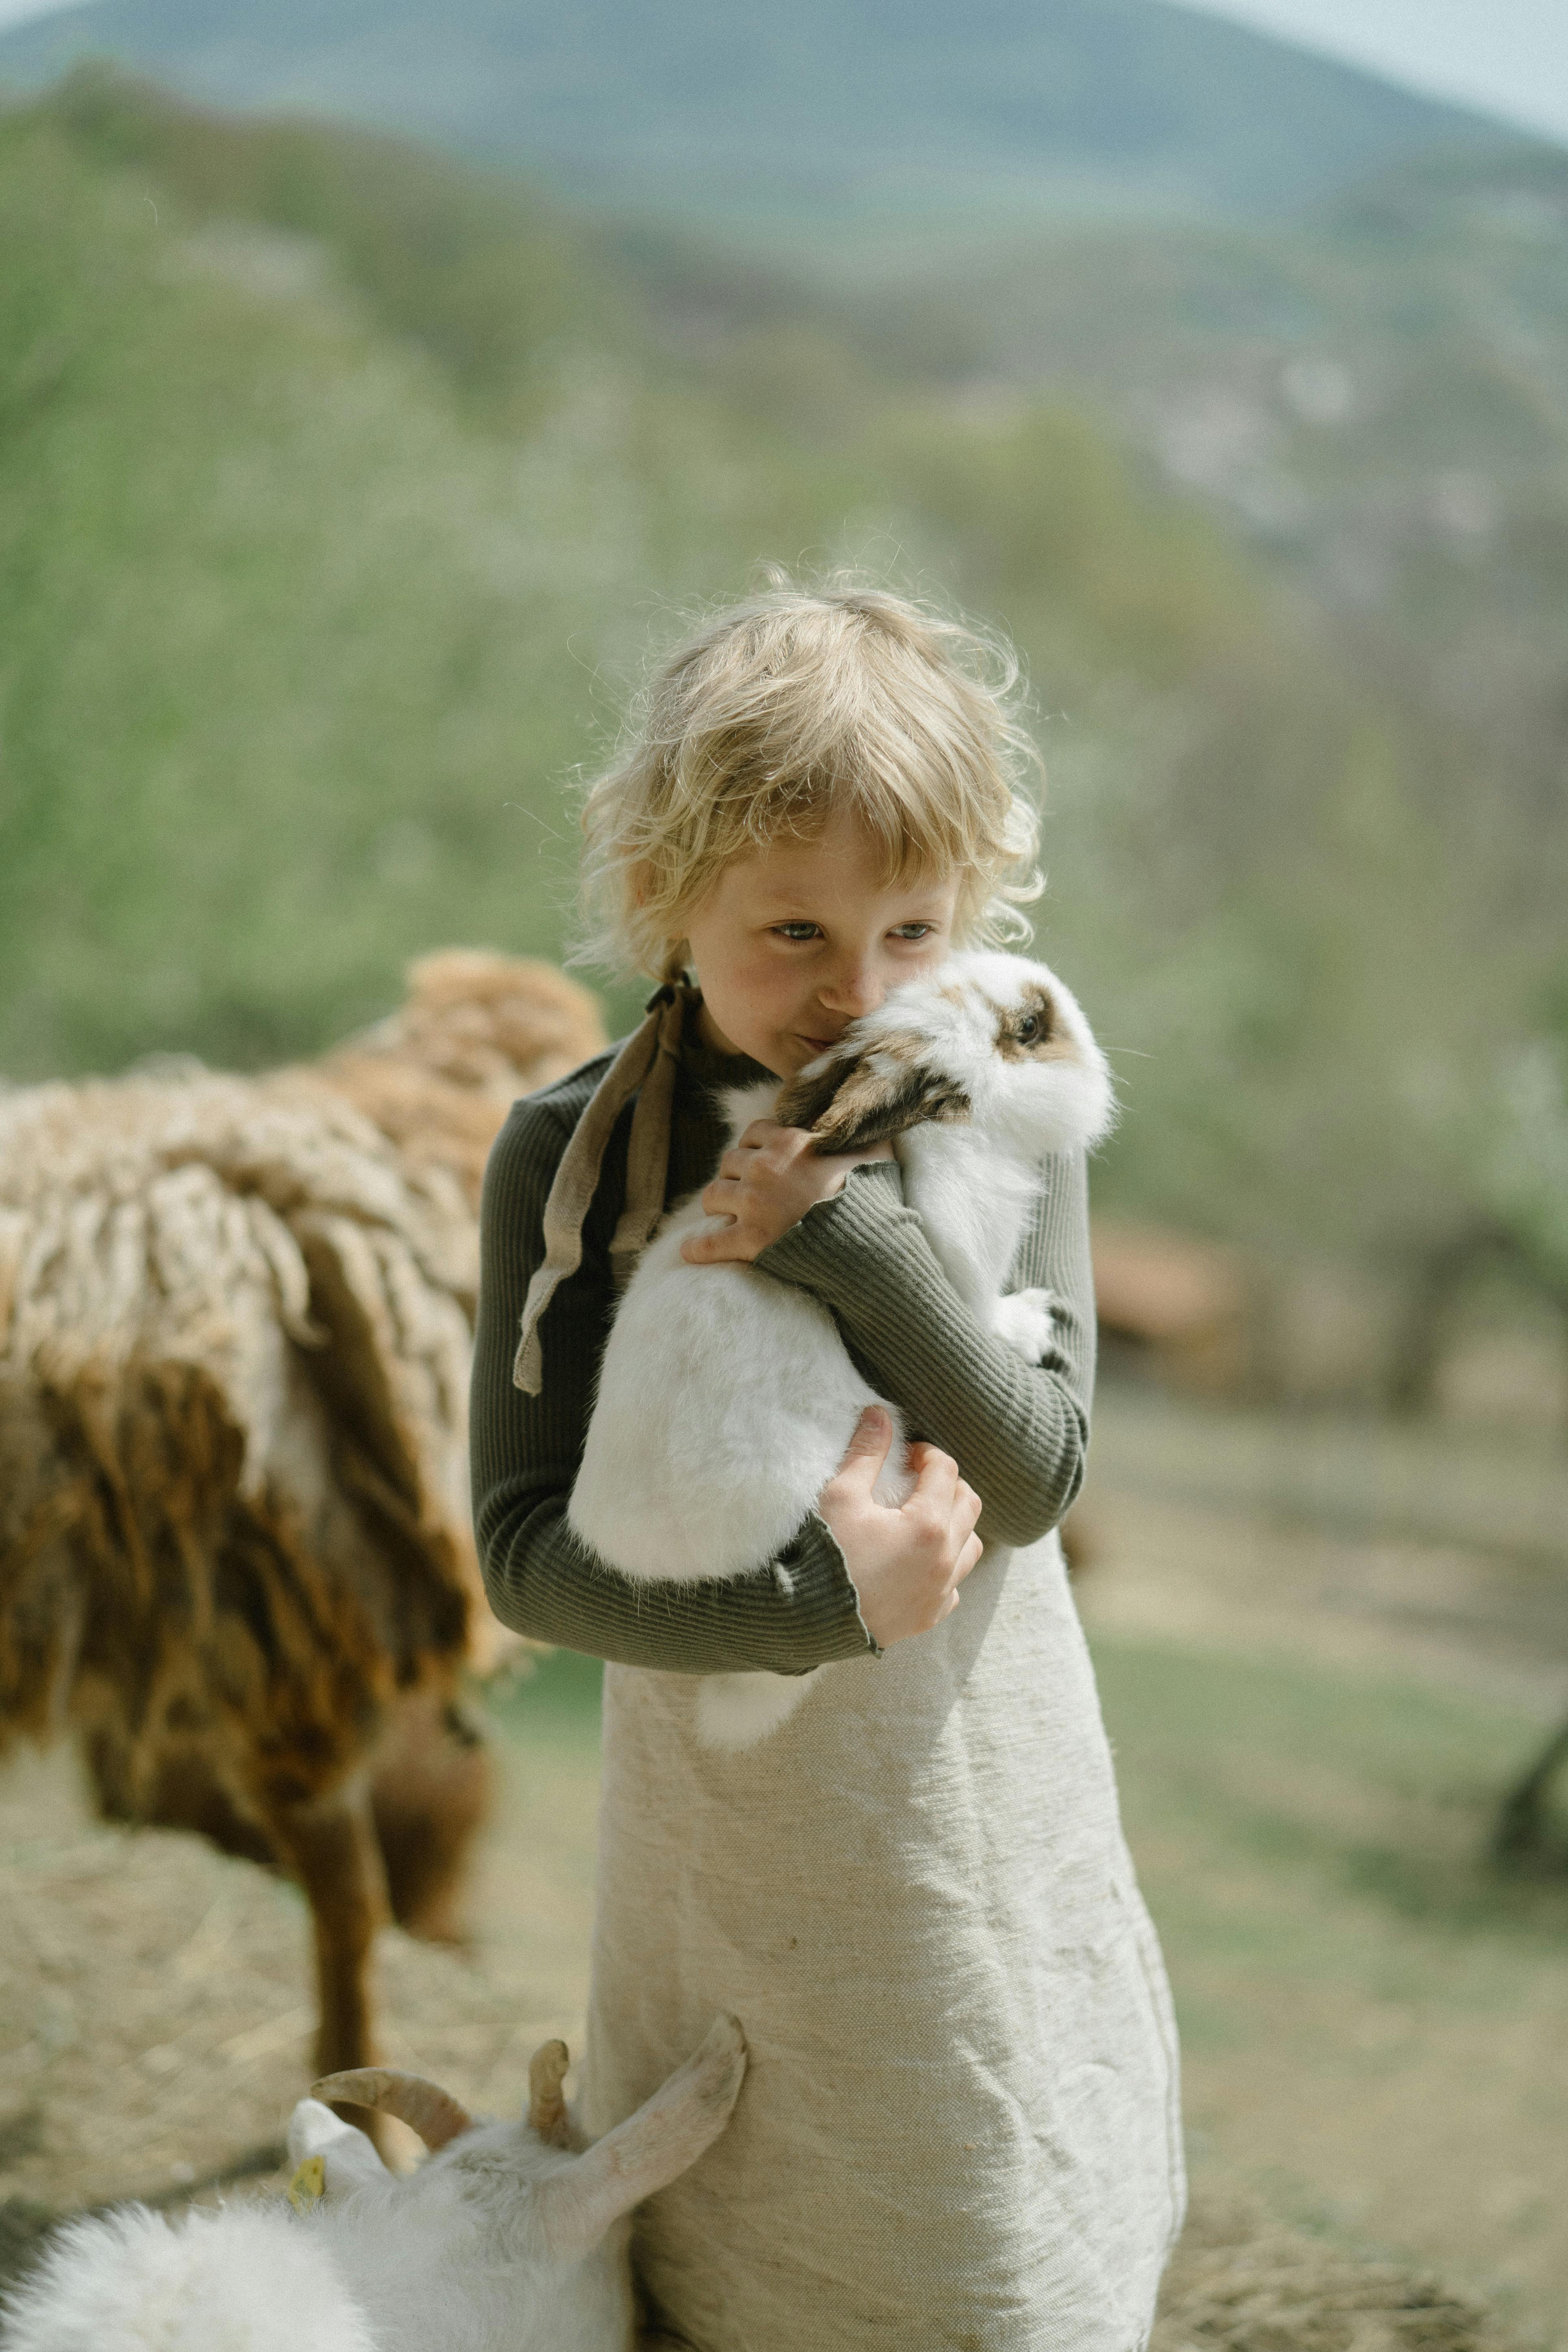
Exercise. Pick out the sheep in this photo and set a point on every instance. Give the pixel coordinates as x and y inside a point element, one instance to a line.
<point>510,2237</point>
<point>236,1561</point>
<point>726,1399</point>
<point>440,1074</point>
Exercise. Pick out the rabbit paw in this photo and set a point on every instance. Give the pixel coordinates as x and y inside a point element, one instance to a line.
<point>1025,1320</point>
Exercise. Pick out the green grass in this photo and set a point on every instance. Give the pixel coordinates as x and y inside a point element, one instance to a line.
<point>554,1704</point>
<point>1374,2023</point>
<point>1351,1793</point>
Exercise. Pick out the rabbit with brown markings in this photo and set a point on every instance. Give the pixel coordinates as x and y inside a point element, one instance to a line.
<point>727,1399</point>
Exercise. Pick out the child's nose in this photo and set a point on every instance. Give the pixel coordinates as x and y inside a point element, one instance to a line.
<point>854,989</point>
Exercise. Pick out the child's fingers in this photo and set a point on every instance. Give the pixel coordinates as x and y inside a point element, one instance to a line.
<point>713,1249</point>
<point>841,1162</point>
<point>741,1158</point>
<point>868,1448</point>
<point>967,1558</point>
<point>936,1480</point>
<point>765,1138</point>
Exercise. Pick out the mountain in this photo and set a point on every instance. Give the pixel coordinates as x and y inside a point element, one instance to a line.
<point>866,127</point>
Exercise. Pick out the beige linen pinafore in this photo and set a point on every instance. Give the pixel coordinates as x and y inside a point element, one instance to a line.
<point>960,2128</point>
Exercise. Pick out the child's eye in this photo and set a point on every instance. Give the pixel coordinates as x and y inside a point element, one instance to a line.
<point>796,931</point>
<point>913,930</point>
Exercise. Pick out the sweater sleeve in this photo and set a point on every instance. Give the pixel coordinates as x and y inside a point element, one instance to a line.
<point>1018,1432</point>
<point>797,1613</point>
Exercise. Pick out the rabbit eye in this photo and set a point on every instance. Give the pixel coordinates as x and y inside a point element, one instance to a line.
<point>1028,1028</point>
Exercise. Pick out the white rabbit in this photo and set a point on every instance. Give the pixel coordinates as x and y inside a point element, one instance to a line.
<point>727,1399</point>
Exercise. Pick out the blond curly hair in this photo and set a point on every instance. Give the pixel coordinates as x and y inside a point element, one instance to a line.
<point>783,711</point>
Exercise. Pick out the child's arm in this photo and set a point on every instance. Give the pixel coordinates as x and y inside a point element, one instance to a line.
<point>1018,1432</point>
<point>786,1617</point>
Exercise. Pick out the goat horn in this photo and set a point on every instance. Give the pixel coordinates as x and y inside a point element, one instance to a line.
<point>546,2108</point>
<point>433,2112</point>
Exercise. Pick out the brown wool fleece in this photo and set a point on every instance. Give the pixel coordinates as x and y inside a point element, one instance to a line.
<point>1018,1432</point>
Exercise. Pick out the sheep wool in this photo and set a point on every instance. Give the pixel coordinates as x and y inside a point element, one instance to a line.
<point>236,1554</point>
<point>242,2282</point>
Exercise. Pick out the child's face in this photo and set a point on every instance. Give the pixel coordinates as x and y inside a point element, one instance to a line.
<point>795,942</point>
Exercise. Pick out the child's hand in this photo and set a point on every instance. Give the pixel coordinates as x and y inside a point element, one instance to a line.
<point>766,1184</point>
<point>907,1563</point>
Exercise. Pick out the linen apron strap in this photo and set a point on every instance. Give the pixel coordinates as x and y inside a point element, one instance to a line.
<point>649,1060</point>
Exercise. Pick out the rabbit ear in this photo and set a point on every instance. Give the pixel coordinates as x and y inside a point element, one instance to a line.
<point>854,1099</point>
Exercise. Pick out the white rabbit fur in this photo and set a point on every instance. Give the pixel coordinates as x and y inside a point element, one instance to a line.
<point>726,1399</point>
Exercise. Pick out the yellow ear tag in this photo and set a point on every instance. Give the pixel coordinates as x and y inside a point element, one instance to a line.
<point>309,2184</point>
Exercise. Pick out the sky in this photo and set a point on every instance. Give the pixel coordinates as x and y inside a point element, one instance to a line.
<point>1508,58</point>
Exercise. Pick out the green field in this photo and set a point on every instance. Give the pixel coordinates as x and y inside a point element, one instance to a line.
<point>1376,2029</point>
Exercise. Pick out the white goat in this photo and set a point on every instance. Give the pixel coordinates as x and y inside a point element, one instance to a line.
<point>510,2239</point>
<point>726,1399</point>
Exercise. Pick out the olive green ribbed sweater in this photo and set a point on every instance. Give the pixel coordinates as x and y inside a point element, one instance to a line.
<point>1017,1432</point>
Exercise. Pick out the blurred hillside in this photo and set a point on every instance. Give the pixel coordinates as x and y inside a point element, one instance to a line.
<point>1376,395</point>
<point>884,128</point>
<point>342,491</point>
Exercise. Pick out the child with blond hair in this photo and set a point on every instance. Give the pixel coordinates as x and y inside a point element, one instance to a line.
<point>960,2128</point>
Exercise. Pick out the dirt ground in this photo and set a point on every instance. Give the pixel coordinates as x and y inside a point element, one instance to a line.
<point>154,1997</point>
<point>154,2036</point>
<point>1362,1548</point>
